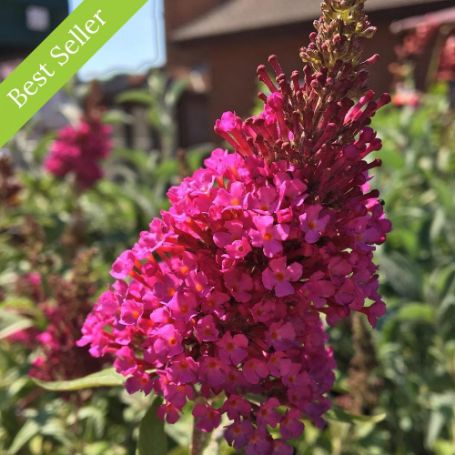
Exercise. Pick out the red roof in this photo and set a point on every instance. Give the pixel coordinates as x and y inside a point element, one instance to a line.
<point>242,15</point>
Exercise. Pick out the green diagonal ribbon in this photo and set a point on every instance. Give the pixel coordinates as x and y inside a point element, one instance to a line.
<point>58,58</point>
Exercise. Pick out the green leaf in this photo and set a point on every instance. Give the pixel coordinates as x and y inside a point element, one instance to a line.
<point>104,378</point>
<point>15,327</point>
<point>417,312</point>
<point>152,438</point>
<point>27,432</point>
<point>117,117</point>
<point>135,96</point>
<point>392,159</point>
<point>340,415</point>
<point>11,322</point>
<point>167,169</point>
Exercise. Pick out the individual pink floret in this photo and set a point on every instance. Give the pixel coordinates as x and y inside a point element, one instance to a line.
<point>269,235</point>
<point>278,276</point>
<point>312,224</point>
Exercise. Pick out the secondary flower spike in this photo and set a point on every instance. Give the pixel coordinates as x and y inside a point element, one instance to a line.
<point>79,150</point>
<point>222,298</point>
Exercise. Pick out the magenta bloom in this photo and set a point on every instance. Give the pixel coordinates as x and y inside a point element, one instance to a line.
<point>233,348</point>
<point>207,418</point>
<point>79,150</point>
<point>278,276</point>
<point>312,224</point>
<point>268,235</point>
<point>232,281</point>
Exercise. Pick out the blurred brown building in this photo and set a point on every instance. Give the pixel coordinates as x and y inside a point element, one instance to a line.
<point>221,43</point>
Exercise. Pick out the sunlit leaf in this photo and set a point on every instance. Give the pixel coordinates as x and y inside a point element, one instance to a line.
<point>135,96</point>
<point>340,415</point>
<point>417,312</point>
<point>11,323</point>
<point>25,434</point>
<point>104,378</point>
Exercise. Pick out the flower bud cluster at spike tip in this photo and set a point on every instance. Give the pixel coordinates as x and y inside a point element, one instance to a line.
<point>78,150</point>
<point>222,298</point>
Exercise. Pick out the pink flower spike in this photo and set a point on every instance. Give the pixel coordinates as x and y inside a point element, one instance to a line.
<point>224,297</point>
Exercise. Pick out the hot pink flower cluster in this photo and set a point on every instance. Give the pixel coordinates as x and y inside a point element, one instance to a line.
<point>220,300</point>
<point>79,150</point>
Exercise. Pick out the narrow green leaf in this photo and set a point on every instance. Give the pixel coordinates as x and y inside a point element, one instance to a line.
<point>135,96</point>
<point>15,327</point>
<point>152,438</point>
<point>117,117</point>
<point>340,415</point>
<point>104,378</point>
<point>27,432</point>
<point>417,312</point>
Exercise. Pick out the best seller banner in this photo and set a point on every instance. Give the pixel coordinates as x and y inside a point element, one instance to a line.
<point>58,58</point>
